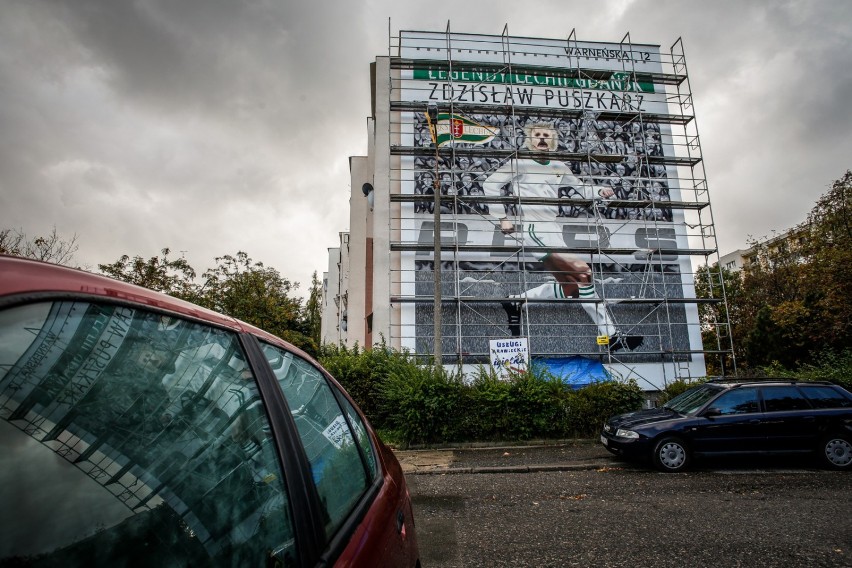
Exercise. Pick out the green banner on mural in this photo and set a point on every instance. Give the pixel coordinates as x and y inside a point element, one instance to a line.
<point>619,81</point>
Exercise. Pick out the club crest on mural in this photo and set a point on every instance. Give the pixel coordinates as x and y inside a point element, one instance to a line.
<point>456,128</point>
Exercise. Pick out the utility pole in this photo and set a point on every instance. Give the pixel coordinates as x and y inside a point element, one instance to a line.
<point>432,120</point>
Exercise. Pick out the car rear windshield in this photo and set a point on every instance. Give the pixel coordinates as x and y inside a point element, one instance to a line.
<point>693,399</point>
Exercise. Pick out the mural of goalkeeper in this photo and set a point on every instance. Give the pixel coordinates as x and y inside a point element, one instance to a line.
<point>535,225</point>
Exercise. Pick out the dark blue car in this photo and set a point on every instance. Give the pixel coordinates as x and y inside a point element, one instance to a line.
<point>739,418</point>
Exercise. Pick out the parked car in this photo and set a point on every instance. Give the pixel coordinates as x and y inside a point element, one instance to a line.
<point>138,429</point>
<point>739,418</point>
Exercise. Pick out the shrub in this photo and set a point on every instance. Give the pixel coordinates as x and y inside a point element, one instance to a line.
<point>362,372</point>
<point>540,408</point>
<point>423,404</point>
<point>590,406</point>
<point>828,366</point>
<point>677,387</point>
<point>416,404</point>
<point>520,407</point>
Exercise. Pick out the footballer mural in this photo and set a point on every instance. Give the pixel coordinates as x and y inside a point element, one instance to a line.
<point>559,225</point>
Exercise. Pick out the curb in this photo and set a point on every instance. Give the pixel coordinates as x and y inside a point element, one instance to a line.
<point>515,469</point>
<point>544,443</point>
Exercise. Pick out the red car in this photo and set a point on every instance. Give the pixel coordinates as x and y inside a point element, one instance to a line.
<point>138,429</point>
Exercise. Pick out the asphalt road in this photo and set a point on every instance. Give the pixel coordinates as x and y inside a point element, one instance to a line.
<point>629,516</point>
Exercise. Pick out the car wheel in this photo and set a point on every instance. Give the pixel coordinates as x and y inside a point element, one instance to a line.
<point>836,451</point>
<point>671,455</point>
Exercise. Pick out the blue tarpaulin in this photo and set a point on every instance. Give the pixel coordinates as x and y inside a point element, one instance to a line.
<point>575,371</point>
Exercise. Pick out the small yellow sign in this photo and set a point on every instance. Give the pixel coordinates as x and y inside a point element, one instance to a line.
<point>603,340</point>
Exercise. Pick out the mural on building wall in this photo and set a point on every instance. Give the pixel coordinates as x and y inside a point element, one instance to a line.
<point>556,217</point>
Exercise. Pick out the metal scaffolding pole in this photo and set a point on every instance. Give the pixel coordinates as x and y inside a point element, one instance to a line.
<point>432,119</point>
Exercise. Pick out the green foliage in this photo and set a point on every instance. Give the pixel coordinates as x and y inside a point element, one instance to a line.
<point>313,310</point>
<point>237,286</point>
<point>827,366</point>
<point>779,290</point>
<point>424,404</point>
<point>256,294</point>
<point>678,387</point>
<point>791,304</point>
<point>361,372</point>
<point>416,404</point>
<point>828,246</point>
<point>593,404</point>
<point>161,274</point>
<point>523,406</point>
<point>717,318</point>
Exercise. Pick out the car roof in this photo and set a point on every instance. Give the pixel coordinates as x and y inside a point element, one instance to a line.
<point>29,280</point>
<point>734,383</point>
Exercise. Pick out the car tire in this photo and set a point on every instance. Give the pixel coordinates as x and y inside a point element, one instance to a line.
<point>836,451</point>
<point>671,455</point>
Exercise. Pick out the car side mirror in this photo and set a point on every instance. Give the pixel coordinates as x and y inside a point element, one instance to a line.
<point>711,413</point>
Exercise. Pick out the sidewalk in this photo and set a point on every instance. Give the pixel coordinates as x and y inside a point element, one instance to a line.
<point>562,456</point>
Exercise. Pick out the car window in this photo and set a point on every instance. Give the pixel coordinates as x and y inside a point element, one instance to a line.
<point>132,438</point>
<point>338,472</point>
<point>825,396</point>
<point>691,400</point>
<point>781,398</point>
<point>737,401</point>
<point>363,438</point>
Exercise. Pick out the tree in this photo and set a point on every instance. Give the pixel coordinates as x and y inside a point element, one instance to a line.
<point>259,295</point>
<point>161,274</point>
<point>50,248</point>
<point>831,219</point>
<point>777,303</point>
<point>828,246</point>
<point>720,320</point>
<point>802,286</point>
<point>313,310</point>
<point>238,287</point>
<point>792,302</point>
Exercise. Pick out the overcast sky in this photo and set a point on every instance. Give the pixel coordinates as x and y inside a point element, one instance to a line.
<point>214,126</point>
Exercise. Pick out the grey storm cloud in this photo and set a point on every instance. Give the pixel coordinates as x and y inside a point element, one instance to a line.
<point>216,126</point>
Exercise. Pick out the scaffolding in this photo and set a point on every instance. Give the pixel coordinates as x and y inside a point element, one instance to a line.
<point>632,204</point>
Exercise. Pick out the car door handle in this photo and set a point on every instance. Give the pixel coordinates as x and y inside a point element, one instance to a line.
<point>754,421</point>
<point>400,523</point>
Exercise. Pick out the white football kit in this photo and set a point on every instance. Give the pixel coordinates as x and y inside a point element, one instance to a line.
<point>532,178</point>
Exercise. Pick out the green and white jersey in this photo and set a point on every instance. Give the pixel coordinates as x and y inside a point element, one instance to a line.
<point>532,178</point>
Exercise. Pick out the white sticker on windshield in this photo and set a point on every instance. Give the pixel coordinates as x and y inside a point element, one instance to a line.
<point>338,433</point>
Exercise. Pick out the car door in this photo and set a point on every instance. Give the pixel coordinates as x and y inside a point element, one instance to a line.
<point>344,469</point>
<point>730,424</point>
<point>789,422</point>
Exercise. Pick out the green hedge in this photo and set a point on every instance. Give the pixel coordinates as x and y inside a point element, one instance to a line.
<point>677,387</point>
<point>363,372</point>
<point>416,404</point>
<point>828,366</point>
<point>421,404</point>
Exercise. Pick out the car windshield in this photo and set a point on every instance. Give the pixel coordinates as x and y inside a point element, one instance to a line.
<point>693,399</point>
